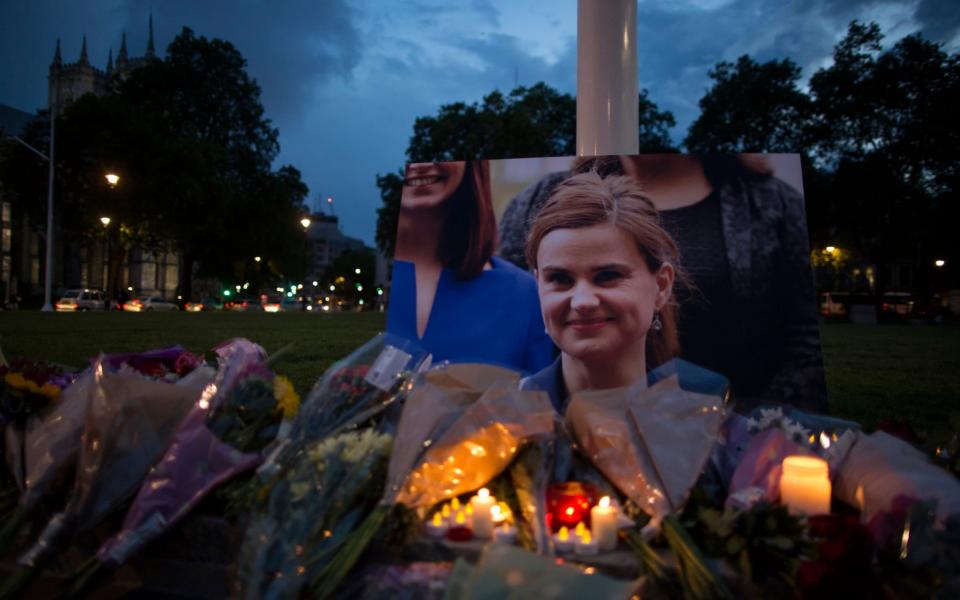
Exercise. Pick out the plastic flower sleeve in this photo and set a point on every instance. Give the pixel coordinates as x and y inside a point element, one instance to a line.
<point>652,443</point>
<point>479,445</point>
<point>129,423</point>
<point>437,400</point>
<point>358,387</point>
<point>880,467</point>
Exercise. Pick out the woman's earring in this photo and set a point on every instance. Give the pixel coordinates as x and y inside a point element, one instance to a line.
<point>657,324</point>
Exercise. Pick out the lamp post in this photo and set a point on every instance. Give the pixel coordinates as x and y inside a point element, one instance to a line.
<point>106,263</point>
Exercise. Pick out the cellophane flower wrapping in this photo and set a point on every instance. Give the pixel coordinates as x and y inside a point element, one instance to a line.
<point>323,480</point>
<point>479,446</point>
<point>53,444</point>
<point>880,467</point>
<point>129,423</point>
<point>651,442</point>
<point>204,454</point>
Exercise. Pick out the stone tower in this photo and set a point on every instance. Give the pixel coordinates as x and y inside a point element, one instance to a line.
<point>69,81</point>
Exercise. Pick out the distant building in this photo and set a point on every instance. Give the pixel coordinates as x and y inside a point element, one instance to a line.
<point>76,265</point>
<point>327,243</point>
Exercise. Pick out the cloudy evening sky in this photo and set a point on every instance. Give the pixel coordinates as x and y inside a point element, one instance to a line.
<point>344,80</point>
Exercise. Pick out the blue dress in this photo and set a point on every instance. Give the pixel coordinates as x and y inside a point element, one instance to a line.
<point>493,318</point>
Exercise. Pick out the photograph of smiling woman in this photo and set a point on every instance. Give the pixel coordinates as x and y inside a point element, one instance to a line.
<point>448,292</point>
<point>605,271</point>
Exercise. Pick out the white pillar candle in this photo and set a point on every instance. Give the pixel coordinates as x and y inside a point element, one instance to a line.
<point>585,545</point>
<point>603,524</point>
<point>805,485</point>
<point>482,516</point>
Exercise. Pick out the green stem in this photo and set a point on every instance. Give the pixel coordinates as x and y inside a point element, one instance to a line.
<point>330,577</point>
<point>83,575</point>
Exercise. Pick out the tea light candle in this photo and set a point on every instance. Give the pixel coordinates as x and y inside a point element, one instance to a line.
<point>805,485</point>
<point>505,534</point>
<point>437,527</point>
<point>460,531</point>
<point>585,545</point>
<point>603,524</point>
<point>482,503</point>
<point>562,541</point>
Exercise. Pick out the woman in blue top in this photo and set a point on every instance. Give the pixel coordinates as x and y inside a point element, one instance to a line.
<point>448,291</point>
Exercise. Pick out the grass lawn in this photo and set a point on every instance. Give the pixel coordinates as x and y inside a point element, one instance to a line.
<point>873,372</point>
<point>71,339</point>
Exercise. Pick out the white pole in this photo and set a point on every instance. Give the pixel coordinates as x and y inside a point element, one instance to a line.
<point>607,93</point>
<point>48,275</point>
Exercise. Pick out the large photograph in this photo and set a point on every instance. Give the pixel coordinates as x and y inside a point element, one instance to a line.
<point>588,273</point>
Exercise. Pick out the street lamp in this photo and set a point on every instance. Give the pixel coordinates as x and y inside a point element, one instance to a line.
<point>112,178</point>
<point>106,266</point>
<point>357,271</point>
<point>305,222</point>
<point>256,259</point>
<point>830,249</point>
<point>105,221</point>
<point>939,263</point>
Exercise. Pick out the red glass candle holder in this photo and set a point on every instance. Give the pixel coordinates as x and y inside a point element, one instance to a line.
<point>569,503</point>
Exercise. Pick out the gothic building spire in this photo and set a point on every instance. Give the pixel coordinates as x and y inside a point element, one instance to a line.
<point>150,52</point>
<point>83,51</point>
<point>122,54</point>
<point>57,61</point>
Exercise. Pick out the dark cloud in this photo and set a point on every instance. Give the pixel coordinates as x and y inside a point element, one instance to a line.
<point>939,20</point>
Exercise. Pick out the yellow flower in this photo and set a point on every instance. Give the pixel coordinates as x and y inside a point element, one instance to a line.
<point>287,399</point>
<point>50,391</point>
<point>15,380</point>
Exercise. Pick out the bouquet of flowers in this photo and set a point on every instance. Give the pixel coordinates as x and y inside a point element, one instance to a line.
<point>324,479</point>
<point>221,437</point>
<point>129,422</point>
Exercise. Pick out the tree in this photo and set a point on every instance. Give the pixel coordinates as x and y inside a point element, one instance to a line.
<point>534,121</point>
<point>348,284</point>
<point>751,107</point>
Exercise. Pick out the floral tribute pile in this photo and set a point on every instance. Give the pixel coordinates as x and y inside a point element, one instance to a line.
<point>399,478</point>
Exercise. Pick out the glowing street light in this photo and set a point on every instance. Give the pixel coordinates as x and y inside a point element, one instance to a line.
<point>256,259</point>
<point>105,221</point>
<point>316,283</point>
<point>830,249</point>
<point>112,178</point>
<point>357,271</point>
<point>939,263</point>
<point>305,222</point>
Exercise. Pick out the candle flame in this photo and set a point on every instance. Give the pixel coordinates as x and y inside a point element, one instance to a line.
<point>564,534</point>
<point>461,518</point>
<point>605,502</point>
<point>445,510</point>
<point>495,511</point>
<point>468,509</point>
<point>569,512</point>
<point>580,529</point>
<point>483,494</point>
<point>812,439</point>
<point>905,540</point>
<point>455,504</point>
<point>824,440</point>
<point>590,571</point>
<point>585,537</point>
<point>437,519</point>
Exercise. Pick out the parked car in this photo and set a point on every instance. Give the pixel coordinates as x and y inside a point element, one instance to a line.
<point>205,305</point>
<point>272,303</point>
<point>81,301</point>
<point>243,303</point>
<point>149,304</point>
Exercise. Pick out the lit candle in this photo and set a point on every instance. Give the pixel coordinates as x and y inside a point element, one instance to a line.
<point>805,485</point>
<point>580,529</point>
<point>562,541</point>
<point>460,531</point>
<point>482,503</point>
<point>505,534</point>
<point>585,545</point>
<point>455,504</point>
<point>603,524</point>
<point>445,512</point>
<point>437,527</point>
